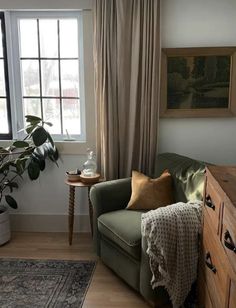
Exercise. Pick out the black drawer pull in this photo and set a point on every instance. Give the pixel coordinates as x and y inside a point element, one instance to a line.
<point>209,263</point>
<point>229,242</point>
<point>209,203</point>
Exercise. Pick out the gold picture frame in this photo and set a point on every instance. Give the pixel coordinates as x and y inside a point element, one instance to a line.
<point>198,82</point>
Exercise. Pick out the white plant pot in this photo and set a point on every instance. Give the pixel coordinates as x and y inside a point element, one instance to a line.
<point>5,233</point>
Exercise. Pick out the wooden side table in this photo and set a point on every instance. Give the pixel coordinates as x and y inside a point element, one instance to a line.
<point>72,186</point>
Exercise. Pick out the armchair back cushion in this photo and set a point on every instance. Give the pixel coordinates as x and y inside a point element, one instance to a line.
<point>187,174</point>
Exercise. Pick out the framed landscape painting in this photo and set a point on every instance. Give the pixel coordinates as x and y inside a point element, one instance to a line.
<point>198,82</point>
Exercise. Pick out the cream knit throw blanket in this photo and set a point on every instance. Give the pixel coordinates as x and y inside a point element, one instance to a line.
<point>172,238</point>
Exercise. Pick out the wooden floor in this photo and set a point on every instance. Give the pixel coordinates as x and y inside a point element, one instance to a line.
<point>106,289</point>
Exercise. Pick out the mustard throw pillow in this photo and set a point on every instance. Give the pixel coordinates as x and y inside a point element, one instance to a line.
<point>149,194</point>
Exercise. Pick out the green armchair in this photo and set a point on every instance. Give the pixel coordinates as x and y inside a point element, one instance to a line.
<point>117,231</point>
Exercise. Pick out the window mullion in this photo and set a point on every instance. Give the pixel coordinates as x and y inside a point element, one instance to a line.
<point>59,72</point>
<point>40,71</point>
<point>49,58</point>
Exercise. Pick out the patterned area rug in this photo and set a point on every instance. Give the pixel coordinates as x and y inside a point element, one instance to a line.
<point>44,283</point>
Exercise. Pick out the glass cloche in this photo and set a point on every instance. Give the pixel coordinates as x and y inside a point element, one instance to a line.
<point>90,166</point>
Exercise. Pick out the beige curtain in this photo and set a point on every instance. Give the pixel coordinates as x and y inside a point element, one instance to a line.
<point>127,65</point>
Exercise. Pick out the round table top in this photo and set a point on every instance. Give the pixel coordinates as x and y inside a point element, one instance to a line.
<point>81,184</point>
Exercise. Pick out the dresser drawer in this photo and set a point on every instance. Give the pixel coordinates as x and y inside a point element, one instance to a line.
<point>213,265</point>
<point>212,205</point>
<point>204,300</point>
<point>228,236</point>
<point>232,294</point>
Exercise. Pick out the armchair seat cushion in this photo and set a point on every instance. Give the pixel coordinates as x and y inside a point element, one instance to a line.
<point>123,227</point>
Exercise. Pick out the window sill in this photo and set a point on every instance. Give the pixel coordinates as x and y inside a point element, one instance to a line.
<point>72,147</point>
<point>64,147</point>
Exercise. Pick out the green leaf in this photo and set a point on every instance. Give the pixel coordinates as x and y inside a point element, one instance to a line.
<point>49,149</point>
<point>11,201</point>
<point>6,183</point>
<point>3,151</point>
<point>56,154</point>
<point>5,166</point>
<point>33,170</point>
<point>30,128</point>
<point>26,153</point>
<point>48,123</point>
<point>21,144</point>
<point>41,164</point>
<point>29,150</point>
<point>50,139</point>
<point>53,160</point>
<point>40,152</point>
<point>20,165</point>
<point>24,160</point>
<point>31,118</point>
<point>39,136</point>
<point>40,161</point>
<point>11,185</point>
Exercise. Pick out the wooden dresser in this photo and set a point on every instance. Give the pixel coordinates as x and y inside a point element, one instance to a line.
<point>217,266</point>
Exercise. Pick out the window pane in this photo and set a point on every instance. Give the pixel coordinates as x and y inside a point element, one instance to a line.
<point>71,116</point>
<point>32,106</point>
<point>69,38</point>
<point>51,110</point>
<point>30,75</point>
<point>70,78</point>
<point>28,38</point>
<point>1,51</point>
<point>48,38</point>
<point>2,79</point>
<point>50,77</point>
<point>4,127</point>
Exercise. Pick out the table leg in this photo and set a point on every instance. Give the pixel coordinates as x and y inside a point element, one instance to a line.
<point>90,211</point>
<point>71,212</point>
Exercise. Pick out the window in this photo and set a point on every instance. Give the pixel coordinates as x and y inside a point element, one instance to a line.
<point>5,119</point>
<point>48,70</point>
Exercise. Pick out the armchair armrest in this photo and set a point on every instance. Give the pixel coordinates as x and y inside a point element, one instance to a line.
<point>107,197</point>
<point>110,196</point>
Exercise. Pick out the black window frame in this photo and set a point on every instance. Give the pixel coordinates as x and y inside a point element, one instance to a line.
<point>7,97</point>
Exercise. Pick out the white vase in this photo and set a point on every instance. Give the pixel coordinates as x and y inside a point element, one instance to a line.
<point>5,233</point>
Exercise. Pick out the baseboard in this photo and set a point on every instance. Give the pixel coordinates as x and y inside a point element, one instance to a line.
<point>48,223</point>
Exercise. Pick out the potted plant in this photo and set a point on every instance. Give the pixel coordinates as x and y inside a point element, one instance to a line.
<point>23,156</point>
